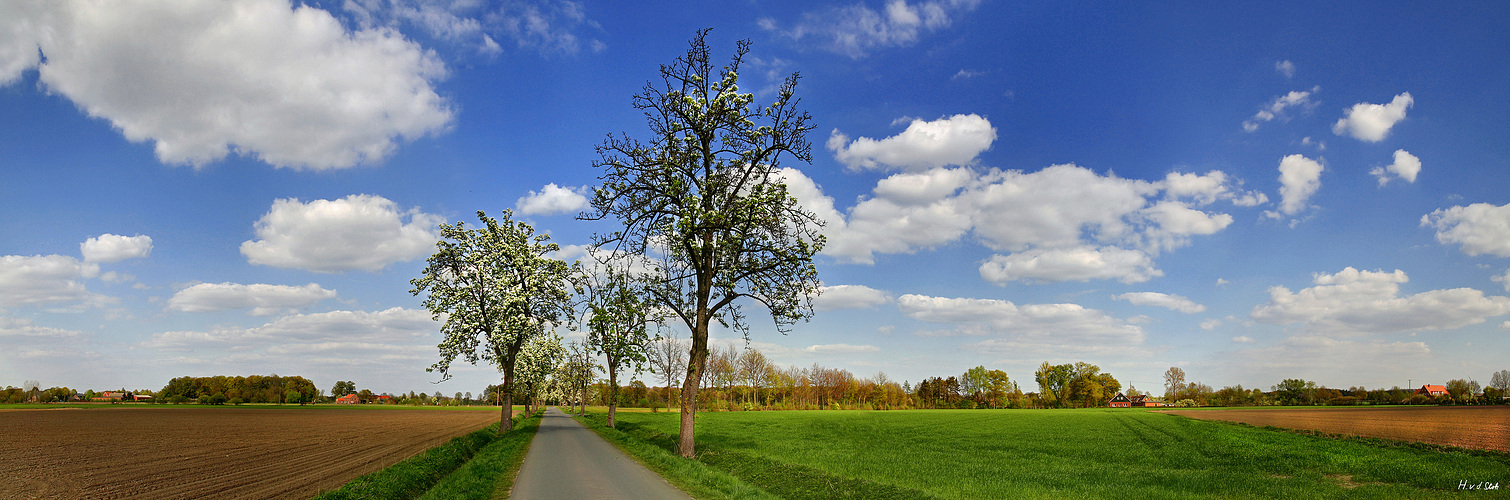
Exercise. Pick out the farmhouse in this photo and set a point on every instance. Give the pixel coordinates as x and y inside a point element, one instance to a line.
<point>349,399</point>
<point>111,396</point>
<point>1143,401</point>
<point>1432,390</point>
<point>1120,401</point>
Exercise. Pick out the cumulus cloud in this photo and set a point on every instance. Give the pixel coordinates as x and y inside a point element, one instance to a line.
<point>1285,67</point>
<point>552,200</point>
<point>262,78</point>
<point>1299,178</point>
<point>1210,324</point>
<point>47,279</point>
<point>115,248</point>
<point>1167,301</point>
<point>1241,339</point>
<point>1062,324</point>
<point>850,297</point>
<point>953,140</point>
<point>856,30</point>
<point>262,299</point>
<point>358,232</point>
<point>1480,228</point>
<point>1371,122</point>
<point>1353,302</point>
<point>1277,108</point>
<point>1406,166</point>
<point>1070,264</point>
<point>1062,223</point>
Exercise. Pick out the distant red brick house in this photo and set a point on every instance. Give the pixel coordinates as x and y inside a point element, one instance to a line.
<point>1142,401</point>
<point>349,399</point>
<point>108,396</point>
<point>1120,401</point>
<point>382,398</point>
<point>1432,390</point>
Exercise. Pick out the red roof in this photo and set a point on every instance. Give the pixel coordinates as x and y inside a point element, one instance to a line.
<point>1432,390</point>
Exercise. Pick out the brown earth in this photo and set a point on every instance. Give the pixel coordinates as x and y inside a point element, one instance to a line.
<point>211,452</point>
<point>1481,427</point>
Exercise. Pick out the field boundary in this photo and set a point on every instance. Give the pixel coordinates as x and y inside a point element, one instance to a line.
<point>491,472</point>
<point>416,475</point>
<point>697,479</point>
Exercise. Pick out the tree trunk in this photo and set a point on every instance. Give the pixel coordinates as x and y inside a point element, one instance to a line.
<point>613,391</point>
<point>697,362</point>
<point>506,423</point>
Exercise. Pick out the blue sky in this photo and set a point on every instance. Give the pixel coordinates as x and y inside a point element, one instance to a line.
<point>1251,193</point>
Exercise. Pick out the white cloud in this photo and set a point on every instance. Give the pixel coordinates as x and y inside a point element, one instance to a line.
<point>1480,228</point>
<point>551,27</point>
<point>856,30</point>
<point>966,73</point>
<point>1241,339</point>
<point>1060,324</point>
<point>1285,67</point>
<point>1167,301</point>
<point>953,140</point>
<point>1211,324</point>
<point>393,327</point>
<point>841,348</point>
<point>47,279</point>
<point>1276,108</point>
<point>1406,166</point>
<point>262,78</point>
<point>552,200</point>
<point>358,232</point>
<point>850,297</point>
<point>1371,122</point>
<point>1070,264</point>
<point>1318,144</point>
<point>262,299</point>
<point>1299,178</point>
<point>115,248</point>
<point>1353,302</point>
<point>1503,279</point>
<point>22,328</point>
<point>1065,216</point>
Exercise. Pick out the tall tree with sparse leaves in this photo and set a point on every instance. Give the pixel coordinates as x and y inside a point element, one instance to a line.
<point>496,288</point>
<point>619,314</point>
<point>704,199</point>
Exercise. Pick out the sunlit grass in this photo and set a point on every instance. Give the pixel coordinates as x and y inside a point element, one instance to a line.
<point>1053,453</point>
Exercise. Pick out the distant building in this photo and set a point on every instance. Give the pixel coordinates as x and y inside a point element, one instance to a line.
<point>1120,401</point>
<point>349,399</point>
<point>111,396</point>
<point>1432,390</point>
<point>1143,401</point>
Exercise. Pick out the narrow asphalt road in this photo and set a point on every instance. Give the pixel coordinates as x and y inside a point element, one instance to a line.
<point>567,460</point>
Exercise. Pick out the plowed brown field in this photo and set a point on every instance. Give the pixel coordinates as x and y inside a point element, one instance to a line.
<point>1482,427</point>
<point>210,452</point>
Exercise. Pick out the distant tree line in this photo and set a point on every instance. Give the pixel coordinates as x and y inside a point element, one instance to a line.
<point>221,389</point>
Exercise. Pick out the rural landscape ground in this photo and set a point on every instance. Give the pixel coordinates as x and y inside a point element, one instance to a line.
<point>124,451</point>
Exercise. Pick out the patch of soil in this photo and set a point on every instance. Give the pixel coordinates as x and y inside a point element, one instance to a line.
<point>1479,427</point>
<point>212,452</point>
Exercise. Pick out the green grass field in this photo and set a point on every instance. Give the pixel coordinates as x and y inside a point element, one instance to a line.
<point>1095,453</point>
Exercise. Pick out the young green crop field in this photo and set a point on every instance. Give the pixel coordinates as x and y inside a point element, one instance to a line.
<point>1088,453</point>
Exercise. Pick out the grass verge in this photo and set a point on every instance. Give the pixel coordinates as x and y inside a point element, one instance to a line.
<point>416,475</point>
<point>693,477</point>
<point>491,472</point>
<point>1056,454</point>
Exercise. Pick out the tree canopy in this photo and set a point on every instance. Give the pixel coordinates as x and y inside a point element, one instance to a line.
<point>705,201</point>
<point>496,288</point>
